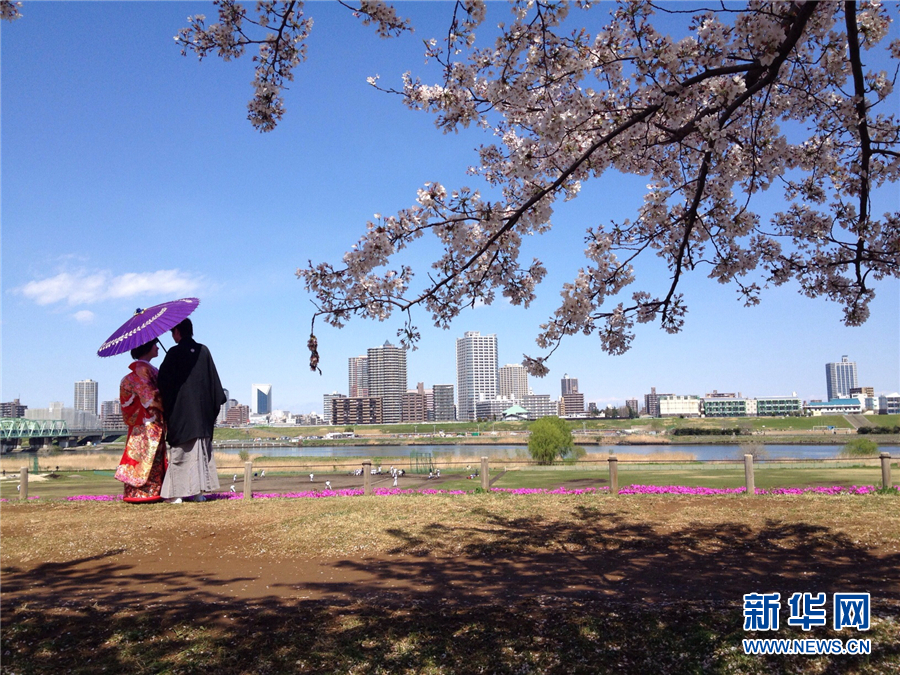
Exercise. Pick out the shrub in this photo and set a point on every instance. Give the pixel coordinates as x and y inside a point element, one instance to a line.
<point>860,447</point>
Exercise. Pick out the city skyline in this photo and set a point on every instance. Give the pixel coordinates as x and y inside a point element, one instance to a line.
<point>392,368</point>
<point>89,169</point>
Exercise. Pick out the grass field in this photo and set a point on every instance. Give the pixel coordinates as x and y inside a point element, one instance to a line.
<point>292,475</point>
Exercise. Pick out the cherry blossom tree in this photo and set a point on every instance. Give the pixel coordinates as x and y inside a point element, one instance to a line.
<point>771,95</point>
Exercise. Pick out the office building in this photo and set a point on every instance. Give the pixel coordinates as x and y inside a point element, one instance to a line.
<point>86,396</point>
<point>568,385</point>
<point>74,419</point>
<point>111,415</point>
<point>540,405</point>
<point>571,404</point>
<point>651,403</point>
<point>238,415</point>
<point>358,376</point>
<point>13,409</point>
<point>327,400</point>
<point>671,405</point>
<point>415,407</point>
<point>356,410</point>
<point>728,406</point>
<point>260,399</point>
<point>633,406</point>
<point>223,409</point>
<point>387,380</point>
<point>779,406</point>
<point>476,372</point>
<point>889,404</point>
<point>444,406</point>
<point>840,378</point>
<point>512,381</point>
<point>836,406</point>
<point>492,410</point>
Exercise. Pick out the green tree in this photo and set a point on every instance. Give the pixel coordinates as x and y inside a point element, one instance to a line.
<point>860,447</point>
<point>550,438</point>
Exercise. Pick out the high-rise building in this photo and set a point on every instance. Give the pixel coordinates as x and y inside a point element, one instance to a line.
<point>476,372</point>
<point>327,400</point>
<point>429,400</point>
<point>13,409</point>
<point>840,378</point>
<point>571,404</point>
<point>223,409</point>
<point>86,396</point>
<point>261,399</point>
<point>111,415</point>
<point>358,371</point>
<point>414,406</point>
<point>444,407</point>
<point>568,385</point>
<point>238,414</point>
<point>387,379</point>
<point>632,405</point>
<point>651,402</point>
<point>355,410</point>
<point>513,381</point>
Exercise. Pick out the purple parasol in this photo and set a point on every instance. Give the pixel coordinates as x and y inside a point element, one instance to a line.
<point>147,324</point>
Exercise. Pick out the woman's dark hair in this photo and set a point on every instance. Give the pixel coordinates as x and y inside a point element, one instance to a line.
<point>145,348</point>
<point>186,329</point>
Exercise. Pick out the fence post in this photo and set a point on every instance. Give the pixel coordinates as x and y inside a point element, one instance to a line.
<point>485,474</point>
<point>367,477</point>
<point>748,475</point>
<point>23,483</point>
<point>613,475</point>
<point>886,470</point>
<point>248,480</point>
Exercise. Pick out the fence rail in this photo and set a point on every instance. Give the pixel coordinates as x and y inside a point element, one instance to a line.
<point>483,472</point>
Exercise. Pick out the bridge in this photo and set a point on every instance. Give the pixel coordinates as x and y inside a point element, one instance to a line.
<point>38,433</point>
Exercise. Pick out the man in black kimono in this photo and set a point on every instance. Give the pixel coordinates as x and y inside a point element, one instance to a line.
<point>192,396</point>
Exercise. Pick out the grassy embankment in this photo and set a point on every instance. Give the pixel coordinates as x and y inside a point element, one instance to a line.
<point>773,429</point>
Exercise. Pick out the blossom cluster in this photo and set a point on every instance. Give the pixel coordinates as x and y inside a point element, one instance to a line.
<point>774,94</point>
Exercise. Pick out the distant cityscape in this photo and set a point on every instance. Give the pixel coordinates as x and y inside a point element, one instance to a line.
<point>378,393</point>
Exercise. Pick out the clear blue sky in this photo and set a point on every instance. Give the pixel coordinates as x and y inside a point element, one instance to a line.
<point>126,166</point>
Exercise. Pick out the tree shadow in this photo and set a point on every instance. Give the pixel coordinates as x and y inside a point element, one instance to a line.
<point>597,594</point>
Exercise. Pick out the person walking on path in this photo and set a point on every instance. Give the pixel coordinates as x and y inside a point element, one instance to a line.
<point>192,395</point>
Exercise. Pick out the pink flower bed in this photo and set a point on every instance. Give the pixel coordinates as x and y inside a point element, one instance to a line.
<point>629,490</point>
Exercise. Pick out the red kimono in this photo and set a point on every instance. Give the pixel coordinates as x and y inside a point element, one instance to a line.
<point>143,463</point>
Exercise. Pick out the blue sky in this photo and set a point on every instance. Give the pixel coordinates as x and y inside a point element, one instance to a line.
<point>130,176</point>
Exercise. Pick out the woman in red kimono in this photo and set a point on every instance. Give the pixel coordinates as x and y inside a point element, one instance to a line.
<point>143,463</point>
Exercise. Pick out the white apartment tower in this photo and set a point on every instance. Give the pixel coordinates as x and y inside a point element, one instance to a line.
<point>476,372</point>
<point>358,376</point>
<point>86,396</point>
<point>840,378</point>
<point>387,379</point>
<point>513,381</point>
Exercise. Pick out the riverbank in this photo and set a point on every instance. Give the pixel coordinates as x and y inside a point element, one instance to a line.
<point>811,438</point>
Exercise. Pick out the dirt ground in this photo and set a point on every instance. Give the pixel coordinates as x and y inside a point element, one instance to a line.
<point>430,584</point>
<point>204,567</point>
